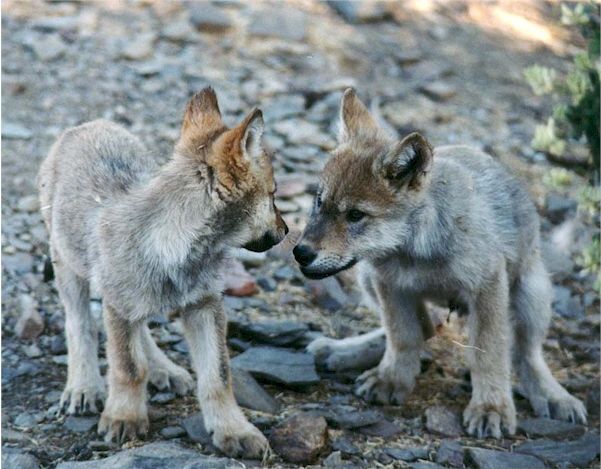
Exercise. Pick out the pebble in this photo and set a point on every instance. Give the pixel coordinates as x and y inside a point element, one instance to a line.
<point>80,424</point>
<point>407,454</point>
<point>278,365</point>
<point>450,452</point>
<point>30,323</point>
<point>333,460</point>
<point>382,429</point>
<point>300,132</point>
<point>348,417</point>
<point>50,48</point>
<point>490,459</point>
<point>250,394</point>
<point>300,438</point>
<point>578,452</point>
<point>268,284</point>
<point>438,90</point>
<point>172,432</point>
<point>360,11</point>
<point>14,458</point>
<point>549,428</point>
<point>592,400</point>
<point>558,207</point>
<point>280,333</point>
<point>140,47</point>
<point>286,272</point>
<point>58,346</point>
<point>12,130</point>
<point>282,23</point>
<point>328,293</point>
<point>156,455</point>
<point>162,398</point>
<point>27,420</point>
<point>29,203</point>
<point>195,429</point>
<point>238,282</point>
<point>565,304</point>
<point>443,421</point>
<point>32,351</point>
<point>289,187</point>
<point>18,264</point>
<point>207,18</point>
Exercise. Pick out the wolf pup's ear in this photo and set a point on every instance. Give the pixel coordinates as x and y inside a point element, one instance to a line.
<point>408,163</point>
<point>355,119</point>
<point>252,131</point>
<point>202,114</point>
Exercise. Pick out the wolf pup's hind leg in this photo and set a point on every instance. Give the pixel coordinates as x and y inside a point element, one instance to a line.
<point>125,414</point>
<point>531,306</point>
<point>85,386</point>
<point>205,329</point>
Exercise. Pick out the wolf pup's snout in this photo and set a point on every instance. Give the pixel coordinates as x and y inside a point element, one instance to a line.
<point>304,254</point>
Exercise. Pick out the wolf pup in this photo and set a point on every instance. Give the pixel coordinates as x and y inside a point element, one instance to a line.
<point>447,225</point>
<point>151,240</point>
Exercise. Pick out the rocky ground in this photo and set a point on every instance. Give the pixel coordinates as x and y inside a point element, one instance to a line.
<point>452,71</point>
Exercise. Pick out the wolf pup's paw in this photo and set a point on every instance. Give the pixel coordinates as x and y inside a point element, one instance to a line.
<point>563,407</point>
<point>378,387</point>
<point>175,378</point>
<point>122,428</point>
<point>483,419</point>
<point>82,398</point>
<point>246,441</point>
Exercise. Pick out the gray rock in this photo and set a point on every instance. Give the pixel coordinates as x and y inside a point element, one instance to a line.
<point>50,48</point>
<point>19,263</point>
<point>558,263</point>
<point>558,207</point>
<point>207,18</point>
<point>178,31</point>
<point>158,455</point>
<point>195,429</point>
<point>162,397</point>
<point>333,460</point>
<point>345,446</point>
<point>443,421</point>
<point>280,333</point>
<point>383,429</point>
<point>438,90</point>
<point>300,438</point>
<point>283,106</point>
<point>29,203</point>
<point>12,436</point>
<point>347,417</point>
<point>407,454</point>
<point>328,293</point>
<point>139,48</point>
<point>578,452</point>
<point>426,465</point>
<point>250,394</point>
<point>58,346</point>
<point>592,400</point>
<point>282,23</point>
<point>278,366</point>
<point>286,272</point>
<point>489,459</point>
<point>565,304</point>
<point>548,428</point>
<point>55,23</point>
<point>267,283</point>
<point>80,424</point>
<point>30,323</point>
<point>450,452</point>
<point>172,432</point>
<point>300,132</point>
<point>14,458</point>
<point>360,11</point>
<point>12,130</point>
<point>26,420</point>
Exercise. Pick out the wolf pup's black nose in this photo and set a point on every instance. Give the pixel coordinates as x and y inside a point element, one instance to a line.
<point>304,255</point>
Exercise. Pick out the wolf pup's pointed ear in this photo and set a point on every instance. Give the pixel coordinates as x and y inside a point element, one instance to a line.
<point>355,119</point>
<point>202,113</point>
<point>252,131</point>
<point>408,163</point>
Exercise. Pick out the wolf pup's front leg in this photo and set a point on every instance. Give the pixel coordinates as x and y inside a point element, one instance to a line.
<point>491,406</point>
<point>125,414</point>
<point>394,378</point>
<point>205,329</point>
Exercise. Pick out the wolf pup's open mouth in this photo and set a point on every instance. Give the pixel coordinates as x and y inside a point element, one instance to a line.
<point>316,273</point>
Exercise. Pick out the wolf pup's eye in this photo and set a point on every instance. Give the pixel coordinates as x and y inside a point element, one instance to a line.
<point>355,215</point>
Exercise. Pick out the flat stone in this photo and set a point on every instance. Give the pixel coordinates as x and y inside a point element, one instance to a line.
<point>438,90</point>
<point>15,458</point>
<point>283,106</point>
<point>267,284</point>
<point>56,23</point>
<point>162,397</point>
<point>333,460</point>
<point>328,293</point>
<point>347,417</point>
<point>558,207</point>
<point>286,272</point>
<point>195,429</point>
<point>345,446</point>
<point>50,48</point>
<point>174,431</point>
<point>207,18</point>
<point>578,452</point>
<point>30,323</point>
<point>29,203</point>
<point>426,465</point>
<point>565,304</point>
<point>300,132</point>
<point>250,394</point>
<point>280,333</point>
<point>26,420</point>
<point>360,11</point>
<point>300,438</point>
<point>443,421</point>
<point>559,263</point>
<point>282,23</point>
<point>156,455</point>
<point>593,401</point>
<point>139,48</point>
<point>12,436</point>
<point>549,428</point>
<point>238,282</point>
<point>19,263</point>
<point>384,429</point>
<point>290,187</point>
<point>278,366</point>
<point>482,458</point>
<point>407,454</point>
<point>12,130</point>
<point>80,424</point>
<point>450,452</point>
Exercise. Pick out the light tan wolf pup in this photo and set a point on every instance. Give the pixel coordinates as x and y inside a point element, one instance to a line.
<point>151,240</point>
<point>447,225</point>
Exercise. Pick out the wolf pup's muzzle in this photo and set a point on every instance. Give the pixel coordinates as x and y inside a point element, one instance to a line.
<point>267,241</point>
